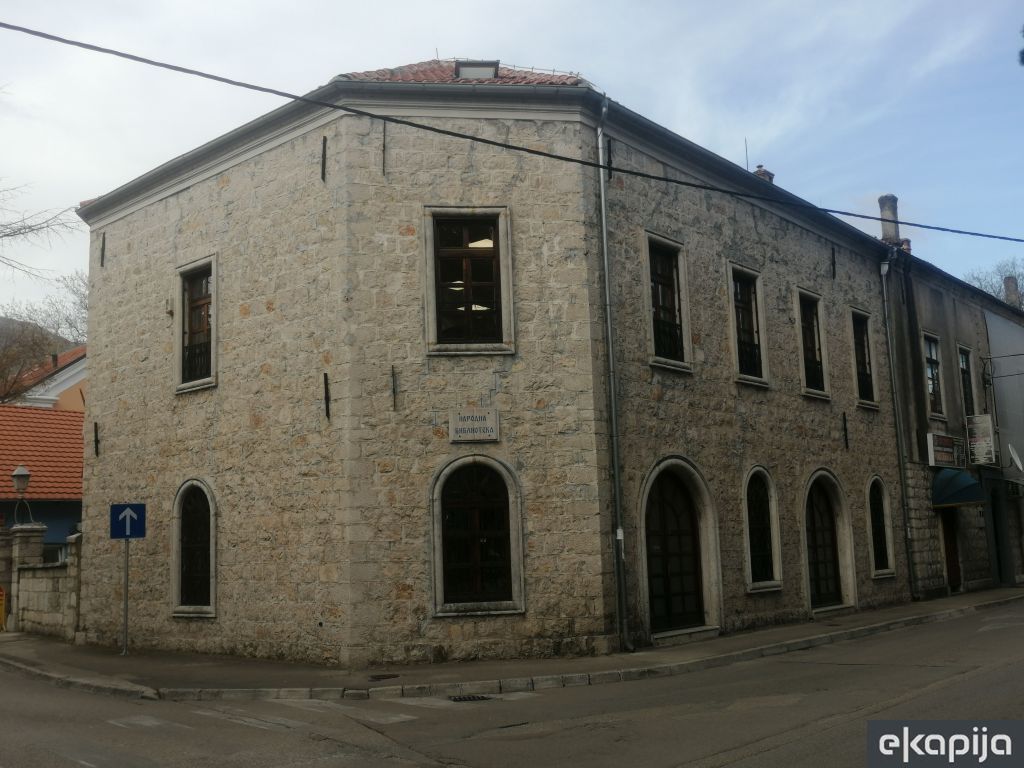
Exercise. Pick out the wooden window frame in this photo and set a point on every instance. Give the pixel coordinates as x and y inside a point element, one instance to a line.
<point>933,375</point>
<point>515,533</point>
<point>182,310</point>
<point>863,360</point>
<point>774,583</point>
<point>651,244</point>
<point>966,380</point>
<point>178,608</point>
<point>505,345</point>
<point>757,320</point>
<point>880,516</point>
<point>813,349</point>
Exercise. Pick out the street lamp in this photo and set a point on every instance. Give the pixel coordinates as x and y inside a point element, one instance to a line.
<point>20,478</point>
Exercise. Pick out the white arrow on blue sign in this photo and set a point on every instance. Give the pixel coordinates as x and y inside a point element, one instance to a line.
<point>127,521</point>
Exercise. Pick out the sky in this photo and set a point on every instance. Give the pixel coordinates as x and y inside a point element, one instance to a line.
<point>842,101</point>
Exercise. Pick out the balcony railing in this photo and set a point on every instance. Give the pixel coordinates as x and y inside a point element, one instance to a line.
<point>195,362</point>
<point>749,358</point>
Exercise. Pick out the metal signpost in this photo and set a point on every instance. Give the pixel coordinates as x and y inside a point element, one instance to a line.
<point>127,522</point>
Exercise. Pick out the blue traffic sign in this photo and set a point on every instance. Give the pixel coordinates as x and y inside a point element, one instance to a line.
<point>127,521</point>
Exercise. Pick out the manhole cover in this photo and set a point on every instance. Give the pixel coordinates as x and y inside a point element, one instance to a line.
<point>470,697</point>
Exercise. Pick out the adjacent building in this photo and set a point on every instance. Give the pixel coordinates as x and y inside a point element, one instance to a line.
<point>957,348</point>
<point>392,394</point>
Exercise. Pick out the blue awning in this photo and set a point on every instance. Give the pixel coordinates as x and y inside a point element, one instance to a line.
<point>955,488</point>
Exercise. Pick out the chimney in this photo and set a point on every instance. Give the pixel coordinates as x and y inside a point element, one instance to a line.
<point>890,217</point>
<point>1011,291</point>
<point>764,173</point>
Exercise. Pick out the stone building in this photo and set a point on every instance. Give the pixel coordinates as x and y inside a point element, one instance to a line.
<point>957,349</point>
<point>359,372</point>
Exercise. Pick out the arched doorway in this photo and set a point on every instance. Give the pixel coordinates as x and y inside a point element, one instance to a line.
<point>673,556</point>
<point>822,548</point>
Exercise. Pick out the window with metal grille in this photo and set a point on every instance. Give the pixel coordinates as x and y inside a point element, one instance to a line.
<point>197,304</point>
<point>476,547</point>
<point>879,529</point>
<point>862,357</point>
<point>467,280</point>
<point>666,302</point>
<point>759,529</point>
<point>966,385</point>
<point>810,334</point>
<point>748,335</point>
<point>931,363</point>
<point>194,553</point>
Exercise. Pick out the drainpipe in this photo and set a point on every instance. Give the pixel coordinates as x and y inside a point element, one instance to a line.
<point>613,409</point>
<point>900,445</point>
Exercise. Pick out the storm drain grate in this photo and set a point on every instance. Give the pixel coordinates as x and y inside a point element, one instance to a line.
<point>378,678</point>
<point>470,697</point>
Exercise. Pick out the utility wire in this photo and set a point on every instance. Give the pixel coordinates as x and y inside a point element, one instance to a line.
<point>482,140</point>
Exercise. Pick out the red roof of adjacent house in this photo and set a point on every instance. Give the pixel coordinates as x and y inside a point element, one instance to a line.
<point>49,444</point>
<point>45,370</point>
<point>443,71</point>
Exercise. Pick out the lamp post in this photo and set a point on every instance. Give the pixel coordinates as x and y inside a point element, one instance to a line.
<point>20,478</point>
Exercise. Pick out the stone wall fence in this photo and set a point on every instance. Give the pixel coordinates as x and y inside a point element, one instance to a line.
<point>42,598</point>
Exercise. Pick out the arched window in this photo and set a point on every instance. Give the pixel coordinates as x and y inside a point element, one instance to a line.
<point>880,540</point>
<point>194,546</point>
<point>760,535</point>
<point>478,559</point>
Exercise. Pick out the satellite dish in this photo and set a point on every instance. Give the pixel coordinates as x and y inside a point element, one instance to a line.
<point>1015,457</point>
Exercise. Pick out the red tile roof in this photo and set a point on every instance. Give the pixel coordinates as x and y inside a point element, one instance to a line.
<point>443,71</point>
<point>49,444</point>
<point>46,369</point>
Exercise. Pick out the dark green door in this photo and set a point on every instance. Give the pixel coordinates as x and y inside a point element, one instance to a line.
<point>822,551</point>
<point>673,557</point>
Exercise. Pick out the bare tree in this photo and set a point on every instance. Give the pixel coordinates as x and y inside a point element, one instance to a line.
<point>24,350</point>
<point>20,226</point>
<point>992,280</point>
<point>30,333</point>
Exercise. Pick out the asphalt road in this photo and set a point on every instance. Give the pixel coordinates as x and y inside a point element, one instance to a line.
<point>808,708</point>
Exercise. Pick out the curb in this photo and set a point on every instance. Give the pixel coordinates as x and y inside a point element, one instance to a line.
<point>104,685</point>
<point>114,687</point>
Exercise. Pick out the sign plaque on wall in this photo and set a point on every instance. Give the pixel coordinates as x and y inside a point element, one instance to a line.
<point>473,425</point>
<point>981,441</point>
<point>946,451</point>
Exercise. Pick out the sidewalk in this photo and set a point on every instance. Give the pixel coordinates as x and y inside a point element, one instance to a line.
<point>181,676</point>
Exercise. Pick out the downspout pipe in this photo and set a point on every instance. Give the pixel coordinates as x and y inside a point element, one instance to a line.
<point>898,413</point>
<point>613,398</point>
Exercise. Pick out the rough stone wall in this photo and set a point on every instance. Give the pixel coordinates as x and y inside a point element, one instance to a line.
<point>43,599</point>
<point>544,393</point>
<point>48,595</point>
<point>927,550</point>
<point>323,527</point>
<point>724,428</point>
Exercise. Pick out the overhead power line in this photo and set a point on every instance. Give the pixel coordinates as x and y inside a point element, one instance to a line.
<point>482,140</point>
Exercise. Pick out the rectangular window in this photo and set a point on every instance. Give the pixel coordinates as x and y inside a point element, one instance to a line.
<point>666,302</point>
<point>197,325</point>
<point>468,280</point>
<point>811,345</point>
<point>862,358</point>
<point>748,333</point>
<point>931,364</point>
<point>966,385</point>
<point>468,296</point>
